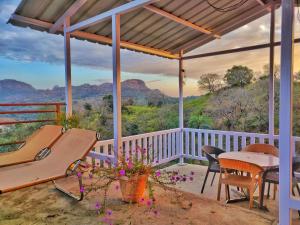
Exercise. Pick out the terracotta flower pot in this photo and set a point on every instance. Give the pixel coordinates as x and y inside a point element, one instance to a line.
<point>133,188</point>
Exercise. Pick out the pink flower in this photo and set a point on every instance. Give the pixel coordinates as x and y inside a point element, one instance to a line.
<point>109,212</point>
<point>149,203</point>
<point>157,173</point>
<point>155,212</point>
<point>122,172</point>
<point>90,175</point>
<point>79,174</point>
<point>117,187</point>
<point>142,200</point>
<point>98,205</point>
<point>192,173</point>
<point>130,165</point>
<point>81,189</point>
<point>191,178</point>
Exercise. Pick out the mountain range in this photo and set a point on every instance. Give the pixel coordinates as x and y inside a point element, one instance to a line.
<point>13,91</point>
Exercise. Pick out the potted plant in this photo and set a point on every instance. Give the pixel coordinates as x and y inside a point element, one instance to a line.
<point>133,175</point>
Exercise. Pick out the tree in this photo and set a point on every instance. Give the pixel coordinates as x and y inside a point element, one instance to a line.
<point>210,82</point>
<point>276,70</point>
<point>87,107</point>
<point>239,76</point>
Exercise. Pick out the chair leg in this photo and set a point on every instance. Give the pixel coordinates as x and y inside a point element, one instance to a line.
<point>204,182</point>
<point>269,186</point>
<point>227,192</point>
<point>274,191</point>
<point>212,181</point>
<point>251,188</point>
<point>262,193</point>
<point>219,188</point>
<point>70,194</point>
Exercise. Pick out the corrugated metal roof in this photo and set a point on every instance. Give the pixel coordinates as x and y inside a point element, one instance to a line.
<point>143,27</point>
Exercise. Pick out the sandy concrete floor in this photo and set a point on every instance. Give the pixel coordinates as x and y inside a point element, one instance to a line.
<point>43,204</point>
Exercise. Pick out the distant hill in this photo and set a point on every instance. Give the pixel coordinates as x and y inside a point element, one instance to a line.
<point>17,91</point>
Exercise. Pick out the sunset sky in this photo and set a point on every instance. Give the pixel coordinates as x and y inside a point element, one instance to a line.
<point>38,58</point>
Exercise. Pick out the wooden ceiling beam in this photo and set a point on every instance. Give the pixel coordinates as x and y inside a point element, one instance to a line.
<point>93,37</point>
<point>243,18</point>
<point>68,13</point>
<point>180,20</point>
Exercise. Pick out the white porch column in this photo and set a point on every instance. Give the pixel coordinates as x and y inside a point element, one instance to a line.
<point>181,74</point>
<point>117,113</point>
<point>68,77</point>
<point>286,108</point>
<point>271,76</point>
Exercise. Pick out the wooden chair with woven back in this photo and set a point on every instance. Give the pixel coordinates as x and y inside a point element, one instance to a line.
<point>243,181</point>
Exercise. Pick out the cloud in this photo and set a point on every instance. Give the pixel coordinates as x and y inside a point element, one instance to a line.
<point>30,46</point>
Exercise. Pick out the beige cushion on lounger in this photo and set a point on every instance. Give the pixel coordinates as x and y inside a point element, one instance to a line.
<point>73,145</point>
<point>40,139</point>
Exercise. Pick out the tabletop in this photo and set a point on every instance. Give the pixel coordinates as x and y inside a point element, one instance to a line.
<point>265,161</point>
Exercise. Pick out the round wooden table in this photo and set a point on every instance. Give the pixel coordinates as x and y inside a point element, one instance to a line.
<point>265,161</point>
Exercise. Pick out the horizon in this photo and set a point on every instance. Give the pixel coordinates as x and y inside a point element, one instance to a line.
<point>31,53</point>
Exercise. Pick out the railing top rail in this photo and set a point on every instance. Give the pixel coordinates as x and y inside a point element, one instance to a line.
<point>226,132</point>
<point>32,104</point>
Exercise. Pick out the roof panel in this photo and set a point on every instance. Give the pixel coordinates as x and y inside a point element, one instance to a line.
<point>141,26</point>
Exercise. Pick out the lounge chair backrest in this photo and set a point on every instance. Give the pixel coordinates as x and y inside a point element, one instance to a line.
<point>42,138</point>
<point>73,145</point>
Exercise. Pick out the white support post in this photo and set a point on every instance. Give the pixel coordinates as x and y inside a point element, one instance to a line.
<point>68,76</point>
<point>181,74</point>
<point>117,113</point>
<point>271,76</point>
<point>286,111</point>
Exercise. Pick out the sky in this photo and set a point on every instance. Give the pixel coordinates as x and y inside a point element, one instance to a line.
<point>38,58</point>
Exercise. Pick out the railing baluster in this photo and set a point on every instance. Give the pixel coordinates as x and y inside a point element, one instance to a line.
<point>206,138</point>
<point>199,144</point>
<point>227,142</point>
<point>235,143</point>
<point>187,143</point>
<point>173,143</point>
<point>193,143</point>
<point>160,147</point>
<point>213,139</point>
<point>165,146</point>
<point>220,141</point>
<point>169,145</point>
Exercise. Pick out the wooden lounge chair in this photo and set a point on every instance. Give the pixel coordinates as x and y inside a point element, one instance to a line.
<point>62,161</point>
<point>33,147</point>
<point>249,181</point>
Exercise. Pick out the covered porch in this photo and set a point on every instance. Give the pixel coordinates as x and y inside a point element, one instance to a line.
<point>171,29</point>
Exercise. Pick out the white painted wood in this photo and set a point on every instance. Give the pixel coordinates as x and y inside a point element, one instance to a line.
<point>160,143</point>
<point>235,143</point>
<point>286,112</point>
<point>155,149</point>
<point>244,141</point>
<point>227,143</point>
<point>117,113</point>
<point>68,13</point>
<point>187,143</point>
<point>193,143</point>
<point>173,144</point>
<point>220,141</point>
<point>271,75</point>
<point>125,8</point>
<point>127,149</point>
<point>180,106</point>
<point>68,73</point>
<point>213,139</point>
<point>199,144</point>
<point>169,144</point>
<point>206,138</point>
<point>261,140</point>
<point>165,140</point>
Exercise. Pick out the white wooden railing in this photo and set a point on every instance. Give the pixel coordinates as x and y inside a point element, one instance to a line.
<point>160,147</point>
<point>164,146</point>
<point>194,139</point>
